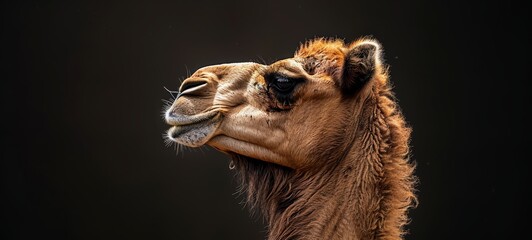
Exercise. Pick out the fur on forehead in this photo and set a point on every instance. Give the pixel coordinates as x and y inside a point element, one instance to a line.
<point>322,56</point>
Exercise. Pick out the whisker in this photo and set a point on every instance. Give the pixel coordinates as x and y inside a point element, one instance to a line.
<point>181,80</point>
<point>166,102</point>
<point>261,60</point>
<point>166,105</point>
<point>202,150</point>
<point>172,92</point>
<point>168,142</point>
<point>179,149</point>
<point>186,68</point>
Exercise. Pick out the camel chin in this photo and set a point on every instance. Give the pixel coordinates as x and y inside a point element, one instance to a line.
<point>192,131</point>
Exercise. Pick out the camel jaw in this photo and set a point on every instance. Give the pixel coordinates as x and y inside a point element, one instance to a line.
<point>192,131</point>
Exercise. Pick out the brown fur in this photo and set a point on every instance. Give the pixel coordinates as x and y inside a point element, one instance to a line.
<point>375,171</point>
<point>353,180</point>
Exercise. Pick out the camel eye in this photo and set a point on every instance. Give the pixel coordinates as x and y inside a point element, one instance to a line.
<point>283,84</point>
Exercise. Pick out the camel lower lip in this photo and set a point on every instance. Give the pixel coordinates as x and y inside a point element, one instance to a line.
<point>178,130</point>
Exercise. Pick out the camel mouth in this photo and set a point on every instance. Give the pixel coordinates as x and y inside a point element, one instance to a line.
<point>183,120</point>
<point>193,131</point>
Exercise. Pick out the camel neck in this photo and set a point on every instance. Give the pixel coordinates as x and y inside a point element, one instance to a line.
<point>339,203</point>
<point>362,195</point>
<point>333,202</point>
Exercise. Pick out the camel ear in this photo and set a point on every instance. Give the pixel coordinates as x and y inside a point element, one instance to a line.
<point>359,66</point>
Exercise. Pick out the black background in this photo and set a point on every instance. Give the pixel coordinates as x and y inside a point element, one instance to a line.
<point>82,153</point>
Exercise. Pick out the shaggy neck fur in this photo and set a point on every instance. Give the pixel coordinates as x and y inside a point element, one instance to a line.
<point>361,191</point>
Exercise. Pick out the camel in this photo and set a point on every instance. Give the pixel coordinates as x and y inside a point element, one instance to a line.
<point>318,141</point>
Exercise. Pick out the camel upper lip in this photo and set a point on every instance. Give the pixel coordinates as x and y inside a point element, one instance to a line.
<point>182,120</point>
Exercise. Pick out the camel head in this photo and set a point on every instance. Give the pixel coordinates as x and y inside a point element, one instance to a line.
<point>286,113</point>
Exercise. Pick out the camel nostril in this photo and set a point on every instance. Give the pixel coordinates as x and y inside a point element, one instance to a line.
<point>191,85</point>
